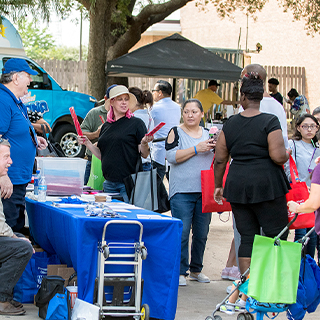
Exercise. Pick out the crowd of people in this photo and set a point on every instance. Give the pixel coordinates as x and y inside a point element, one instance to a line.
<point>254,142</point>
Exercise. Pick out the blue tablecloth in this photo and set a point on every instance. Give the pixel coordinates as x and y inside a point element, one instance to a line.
<point>74,237</point>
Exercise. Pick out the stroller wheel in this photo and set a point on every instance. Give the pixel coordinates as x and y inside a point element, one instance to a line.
<point>216,317</point>
<point>145,310</point>
<point>242,316</point>
<point>209,318</point>
<point>249,316</point>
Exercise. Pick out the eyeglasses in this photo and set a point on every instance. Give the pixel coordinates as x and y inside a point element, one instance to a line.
<point>153,90</point>
<point>306,127</point>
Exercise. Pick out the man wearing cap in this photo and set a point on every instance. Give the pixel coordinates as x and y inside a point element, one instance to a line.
<point>272,86</point>
<point>167,111</point>
<point>208,97</point>
<point>16,127</point>
<point>15,252</point>
<point>91,126</point>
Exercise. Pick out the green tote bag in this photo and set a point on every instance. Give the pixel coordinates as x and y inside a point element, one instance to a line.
<point>96,178</point>
<point>274,270</point>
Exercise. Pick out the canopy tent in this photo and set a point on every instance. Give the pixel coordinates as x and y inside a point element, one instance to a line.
<point>174,57</point>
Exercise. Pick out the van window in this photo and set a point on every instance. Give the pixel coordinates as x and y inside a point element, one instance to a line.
<point>39,81</point>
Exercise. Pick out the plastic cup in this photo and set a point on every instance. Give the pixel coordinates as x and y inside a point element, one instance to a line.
<point>73,294</point>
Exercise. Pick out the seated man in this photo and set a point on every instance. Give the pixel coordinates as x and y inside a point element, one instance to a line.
<point>15,252</point>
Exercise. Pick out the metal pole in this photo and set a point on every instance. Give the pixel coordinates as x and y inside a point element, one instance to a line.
<point>80,51</point>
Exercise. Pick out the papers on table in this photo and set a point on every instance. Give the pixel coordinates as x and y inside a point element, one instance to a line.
<point>152,216</point>
<point>69,205</point>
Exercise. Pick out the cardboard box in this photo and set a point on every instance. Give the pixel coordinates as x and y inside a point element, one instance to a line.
<point>63,271</point>
<point>53,269</point>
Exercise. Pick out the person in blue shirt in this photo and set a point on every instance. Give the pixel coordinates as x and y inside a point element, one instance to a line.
<point>167,111</point>
<point>16,127</point>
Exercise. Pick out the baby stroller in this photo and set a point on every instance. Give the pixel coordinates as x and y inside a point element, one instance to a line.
<point>252,305</point>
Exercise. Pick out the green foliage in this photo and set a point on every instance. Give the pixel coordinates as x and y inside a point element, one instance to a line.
<point>119,18</point>
<point>67,53</point>
<point>36,42</point>
<point>39,44</point>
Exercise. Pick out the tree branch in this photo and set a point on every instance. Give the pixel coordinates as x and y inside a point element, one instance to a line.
<point>148,16</point>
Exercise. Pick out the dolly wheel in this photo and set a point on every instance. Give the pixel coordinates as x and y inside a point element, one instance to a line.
<point>241,316</point>
<point>144,253</point>
<point>217,317</point>
<point>106,251</point>
<point>145,310</point>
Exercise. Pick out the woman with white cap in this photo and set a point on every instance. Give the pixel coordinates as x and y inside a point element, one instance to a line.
<point>122,139</point>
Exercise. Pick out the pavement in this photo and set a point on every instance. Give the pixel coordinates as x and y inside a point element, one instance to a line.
<point>196,301</point>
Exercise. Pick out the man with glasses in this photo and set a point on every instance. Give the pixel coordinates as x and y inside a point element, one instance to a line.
<point>167,111</point>
<point>15,252</point>
<point>15,126</point>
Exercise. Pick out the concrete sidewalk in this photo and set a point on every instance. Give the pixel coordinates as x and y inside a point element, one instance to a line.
<point>196,301</point>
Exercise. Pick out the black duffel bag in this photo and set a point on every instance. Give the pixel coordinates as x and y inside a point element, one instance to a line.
<point>50,286</point>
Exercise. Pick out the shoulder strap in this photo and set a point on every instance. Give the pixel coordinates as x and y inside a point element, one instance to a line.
<point>169,146</point>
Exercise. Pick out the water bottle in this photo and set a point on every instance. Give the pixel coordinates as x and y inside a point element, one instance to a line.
<point>36,182</point>
<point>42,189</point>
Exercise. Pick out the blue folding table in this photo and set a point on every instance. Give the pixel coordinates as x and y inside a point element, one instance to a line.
<point>74,237</point>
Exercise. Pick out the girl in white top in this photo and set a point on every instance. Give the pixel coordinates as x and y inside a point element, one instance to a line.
<point>304,152</point>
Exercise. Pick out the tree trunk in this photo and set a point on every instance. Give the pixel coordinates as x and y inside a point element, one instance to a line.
<point>99,40</point>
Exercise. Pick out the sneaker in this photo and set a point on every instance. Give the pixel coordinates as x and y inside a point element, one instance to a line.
<point>199,277</point>
<point>227,308</point>
<point>234,274</point>
<point>225,273</point>
<point>182,280</point>
<point>240,305</point>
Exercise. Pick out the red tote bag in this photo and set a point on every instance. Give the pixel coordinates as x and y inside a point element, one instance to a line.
<point>298,193</point>
<point>207,187</point>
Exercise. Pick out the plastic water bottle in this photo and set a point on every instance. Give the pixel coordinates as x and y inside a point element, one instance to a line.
<point>36,182</point>
<point>42,189</point>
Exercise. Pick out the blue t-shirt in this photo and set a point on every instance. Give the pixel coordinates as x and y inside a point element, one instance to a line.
<point>14,126</point>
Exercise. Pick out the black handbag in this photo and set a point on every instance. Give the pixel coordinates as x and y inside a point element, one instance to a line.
<point>53,149</point>
<point>50,286</point>
<point>146,189</point>
<point>163,201</point>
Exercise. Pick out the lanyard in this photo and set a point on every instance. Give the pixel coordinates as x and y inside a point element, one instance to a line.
<point>31,130</point>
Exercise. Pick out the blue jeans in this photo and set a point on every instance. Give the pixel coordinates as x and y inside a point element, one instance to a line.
<point>87,172</point>
<point>188,208</point>
<point>116,187</point>
<point>311,246</point>
<point>146,166</point>
<point>14,207</point>
<point>14,256</point>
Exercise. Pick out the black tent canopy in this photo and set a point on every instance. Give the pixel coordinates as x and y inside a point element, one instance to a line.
<point>174,57</point>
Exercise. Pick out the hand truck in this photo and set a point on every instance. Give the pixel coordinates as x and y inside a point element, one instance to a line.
<point>120,267</point>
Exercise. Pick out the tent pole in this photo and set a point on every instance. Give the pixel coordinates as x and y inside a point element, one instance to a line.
<point>174,89</point>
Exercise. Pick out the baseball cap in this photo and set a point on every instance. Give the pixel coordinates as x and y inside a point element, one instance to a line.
<point>108,90</point>
<point>213,83</point>
<point>17,65</point>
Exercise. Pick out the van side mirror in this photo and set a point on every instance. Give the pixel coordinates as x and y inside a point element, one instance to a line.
<point>46,79</point>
